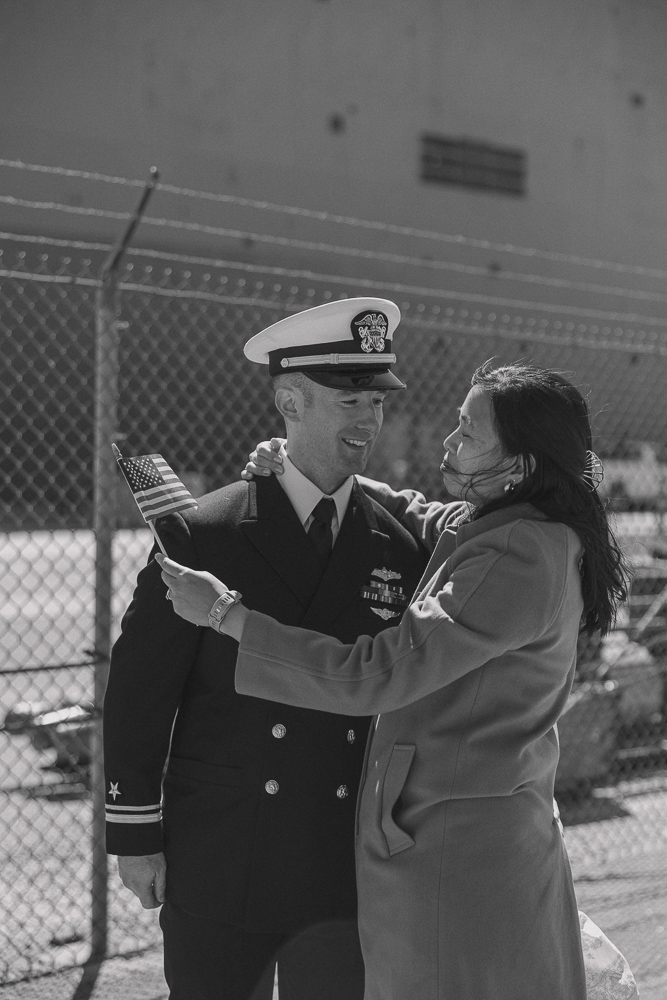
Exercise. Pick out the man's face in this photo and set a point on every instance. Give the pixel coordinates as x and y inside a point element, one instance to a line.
<point>336,433</point>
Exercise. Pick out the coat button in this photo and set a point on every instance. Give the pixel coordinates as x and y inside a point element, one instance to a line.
<point>279,731</point>
<point>351,736</point>
<point>342,791</point>
<point>272,786</point>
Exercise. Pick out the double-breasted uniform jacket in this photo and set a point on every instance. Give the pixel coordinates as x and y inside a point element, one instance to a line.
<point>465,892</point>
<point>258,798</point>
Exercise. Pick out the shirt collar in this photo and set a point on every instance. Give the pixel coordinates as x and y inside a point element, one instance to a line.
<point>304,494</point>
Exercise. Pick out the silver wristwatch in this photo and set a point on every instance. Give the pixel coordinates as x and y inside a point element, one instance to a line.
<point>221,607</point>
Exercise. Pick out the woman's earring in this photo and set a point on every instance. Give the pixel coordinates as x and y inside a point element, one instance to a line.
<point>510,487</point>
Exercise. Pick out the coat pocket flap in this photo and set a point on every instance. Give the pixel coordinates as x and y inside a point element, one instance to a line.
<point>214,774</point>
<point>394,781</point>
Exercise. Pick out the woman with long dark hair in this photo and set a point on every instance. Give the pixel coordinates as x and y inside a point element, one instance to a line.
<point>465,891</point>
<point>528,405</point>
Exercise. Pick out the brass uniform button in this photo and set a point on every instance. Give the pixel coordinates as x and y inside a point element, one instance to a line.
<point>342,791</point>
<point>279,731</point>
<point>351,736</point>
<point>272,786</point>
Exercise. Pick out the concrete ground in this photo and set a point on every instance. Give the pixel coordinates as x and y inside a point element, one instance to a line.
<point>137,978</point>
<point>632,911</point>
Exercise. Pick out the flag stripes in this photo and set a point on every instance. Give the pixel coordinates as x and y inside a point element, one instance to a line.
<point>155,486</point>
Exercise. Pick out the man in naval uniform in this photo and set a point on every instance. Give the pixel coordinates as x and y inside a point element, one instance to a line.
<point>236,813</point>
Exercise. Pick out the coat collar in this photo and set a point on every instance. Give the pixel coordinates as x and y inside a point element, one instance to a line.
<point>275,530</point>
<point>496,519</point>
<point>456,534</point>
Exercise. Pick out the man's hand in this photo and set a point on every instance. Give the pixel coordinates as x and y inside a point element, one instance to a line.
<point>265,459</point>
<point>145,876</point>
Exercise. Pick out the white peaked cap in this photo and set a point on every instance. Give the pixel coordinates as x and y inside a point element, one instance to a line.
<point>341,344</point>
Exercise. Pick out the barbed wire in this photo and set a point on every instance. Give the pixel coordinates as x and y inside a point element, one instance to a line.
<point>49,279</point>
<point>307,275</point>
<point>511,333</point>
<point>319,247</point>
<point>86,175</point>
<point>321,216</point>
<point>534,331</point>
<point>55,206</point>
<point>57,242</point>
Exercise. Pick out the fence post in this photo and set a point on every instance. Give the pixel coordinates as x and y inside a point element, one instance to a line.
<point>107,309</point>
<point>104,522</point>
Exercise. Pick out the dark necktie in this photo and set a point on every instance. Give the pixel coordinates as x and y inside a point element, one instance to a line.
<point>320,532</point>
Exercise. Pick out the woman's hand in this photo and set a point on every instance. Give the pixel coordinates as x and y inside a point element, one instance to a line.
<point>265,459</point>
<point>192,592</point>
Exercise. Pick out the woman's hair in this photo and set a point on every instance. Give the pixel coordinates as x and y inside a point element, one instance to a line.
<point>544,420</point>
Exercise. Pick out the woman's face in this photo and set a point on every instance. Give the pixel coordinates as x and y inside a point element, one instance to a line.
<point>474,467</point>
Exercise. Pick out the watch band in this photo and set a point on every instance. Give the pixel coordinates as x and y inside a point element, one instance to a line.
<point>220,608</point>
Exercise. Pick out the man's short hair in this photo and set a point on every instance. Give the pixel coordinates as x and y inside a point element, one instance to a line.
<point>296,380</point>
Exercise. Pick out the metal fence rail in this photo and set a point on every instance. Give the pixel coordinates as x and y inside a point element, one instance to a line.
<point>186,391</point>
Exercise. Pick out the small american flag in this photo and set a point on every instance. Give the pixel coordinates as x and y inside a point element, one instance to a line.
<point>155,486</point>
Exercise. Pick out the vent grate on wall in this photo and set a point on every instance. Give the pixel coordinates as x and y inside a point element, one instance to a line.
<point>473,165</point>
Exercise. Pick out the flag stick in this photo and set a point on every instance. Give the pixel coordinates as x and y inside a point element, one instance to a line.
<point>156,536</point>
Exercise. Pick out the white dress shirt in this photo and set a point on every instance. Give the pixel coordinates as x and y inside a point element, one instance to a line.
<point>305,495</point>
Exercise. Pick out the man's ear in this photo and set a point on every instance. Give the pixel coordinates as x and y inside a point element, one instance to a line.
<point>289,403</point>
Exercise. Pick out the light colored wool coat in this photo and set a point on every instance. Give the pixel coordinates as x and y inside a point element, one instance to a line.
<point>465,891</point>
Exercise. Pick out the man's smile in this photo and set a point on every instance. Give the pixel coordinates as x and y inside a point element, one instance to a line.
<point>355,442</point>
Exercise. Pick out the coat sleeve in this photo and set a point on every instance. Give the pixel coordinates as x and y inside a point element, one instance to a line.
<point>500,598</point>
<point>424,519</point>
<point>150,662</point>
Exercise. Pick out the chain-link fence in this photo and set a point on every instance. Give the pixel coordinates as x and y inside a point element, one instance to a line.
<point>186,391</point>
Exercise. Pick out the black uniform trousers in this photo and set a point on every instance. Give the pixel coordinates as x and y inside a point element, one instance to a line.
<point>211,960</point>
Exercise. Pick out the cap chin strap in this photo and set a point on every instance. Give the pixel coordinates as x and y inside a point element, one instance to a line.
<point>338,359</point>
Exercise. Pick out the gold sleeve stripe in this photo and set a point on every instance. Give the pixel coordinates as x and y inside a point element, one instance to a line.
<point>151,808</point>
<point>154,817</point>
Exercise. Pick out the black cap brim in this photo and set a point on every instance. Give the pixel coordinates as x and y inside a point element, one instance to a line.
<point>354,380</point>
